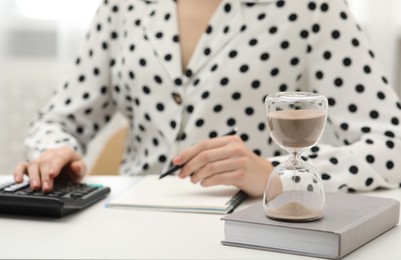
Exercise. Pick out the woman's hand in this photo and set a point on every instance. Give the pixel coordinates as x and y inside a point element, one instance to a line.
<point>43,170</point>
<point>225,161</point>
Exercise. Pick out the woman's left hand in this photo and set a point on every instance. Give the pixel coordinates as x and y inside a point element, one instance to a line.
<point>225,161</point>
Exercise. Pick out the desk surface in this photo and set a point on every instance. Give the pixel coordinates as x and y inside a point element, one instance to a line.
<point>103,233</point>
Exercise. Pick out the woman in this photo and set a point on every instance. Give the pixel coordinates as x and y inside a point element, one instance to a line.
<point>185,72</point>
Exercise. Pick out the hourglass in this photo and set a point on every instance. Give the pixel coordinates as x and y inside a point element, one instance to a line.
<point>296,121</point>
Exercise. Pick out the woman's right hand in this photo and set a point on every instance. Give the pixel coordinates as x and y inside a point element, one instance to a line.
<point>50,164</point>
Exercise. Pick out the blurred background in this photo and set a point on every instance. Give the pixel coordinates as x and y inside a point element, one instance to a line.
<point>39,40</point>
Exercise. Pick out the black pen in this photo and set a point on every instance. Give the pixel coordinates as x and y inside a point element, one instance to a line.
<point>177,167</point>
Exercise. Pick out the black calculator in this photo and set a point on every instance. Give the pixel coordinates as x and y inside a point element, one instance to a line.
<point>65,198</point>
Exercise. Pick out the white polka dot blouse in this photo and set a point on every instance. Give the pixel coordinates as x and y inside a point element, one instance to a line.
<point>130,62</point>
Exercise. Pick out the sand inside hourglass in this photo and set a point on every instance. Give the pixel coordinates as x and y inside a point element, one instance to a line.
<point>290,209</point>
<point>296,128</point>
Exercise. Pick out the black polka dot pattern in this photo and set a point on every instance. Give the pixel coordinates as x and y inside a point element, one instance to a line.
<point>130,63</point>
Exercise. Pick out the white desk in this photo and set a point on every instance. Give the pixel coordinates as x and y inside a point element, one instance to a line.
<point>104,233</point>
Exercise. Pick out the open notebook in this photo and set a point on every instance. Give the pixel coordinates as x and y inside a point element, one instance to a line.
<point>180,195</point>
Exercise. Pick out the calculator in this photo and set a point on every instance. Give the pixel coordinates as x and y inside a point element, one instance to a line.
<point>65,198</point>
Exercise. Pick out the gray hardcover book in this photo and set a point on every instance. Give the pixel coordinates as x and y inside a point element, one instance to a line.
<point>349,221</point>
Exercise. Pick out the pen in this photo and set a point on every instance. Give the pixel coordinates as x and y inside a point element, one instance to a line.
<point>177,167</point>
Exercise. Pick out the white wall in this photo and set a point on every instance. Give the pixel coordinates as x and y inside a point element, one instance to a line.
<point>31,67</point>
<point>26,81</point>
<point>381,21</point>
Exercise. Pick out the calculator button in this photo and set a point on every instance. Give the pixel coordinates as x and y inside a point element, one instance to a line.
<point>56,194</point>
<point>16,187</point>
<point>6,184</point>
<point>23,192</point>
<point>38,193</point>
<point>76,195</point>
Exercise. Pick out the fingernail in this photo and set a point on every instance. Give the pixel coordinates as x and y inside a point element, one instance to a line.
<point>18,178</point>
<point>77,168</point>
<point>51,171</point>
<point>46,185</point>
<point>177,160</point>
<point>35,184</point>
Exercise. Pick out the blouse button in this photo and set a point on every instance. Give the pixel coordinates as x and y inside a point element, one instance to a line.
<point>177,98</point>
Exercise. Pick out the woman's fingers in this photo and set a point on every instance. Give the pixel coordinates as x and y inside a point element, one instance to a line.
<point>60,159</point>
<point>78,170</point>
<point>203,153</point>
<point>34,175</point>
<point>46,180</point>
<point>43,170</point>
<point>19,171</point>
<point>225,161</point>
<point>228,178</point>
<point>220,166</point>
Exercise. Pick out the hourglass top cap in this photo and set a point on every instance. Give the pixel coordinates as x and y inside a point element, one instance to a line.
<point>293,96</point>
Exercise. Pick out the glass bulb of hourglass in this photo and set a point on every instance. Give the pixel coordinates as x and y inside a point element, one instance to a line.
<point>296,121</point>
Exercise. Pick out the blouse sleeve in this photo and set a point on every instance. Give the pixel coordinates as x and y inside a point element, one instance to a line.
<point>364,110</point>
<point>83,104</point>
